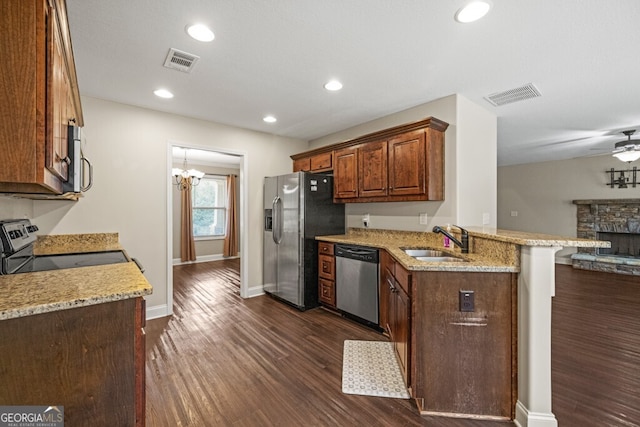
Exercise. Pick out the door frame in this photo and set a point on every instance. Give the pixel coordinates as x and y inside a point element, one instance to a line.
<point>244,205</point>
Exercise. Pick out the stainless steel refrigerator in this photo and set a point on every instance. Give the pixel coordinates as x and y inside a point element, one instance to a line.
<point>297,208</point>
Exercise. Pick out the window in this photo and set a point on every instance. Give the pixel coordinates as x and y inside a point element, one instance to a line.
<point>209,206</point>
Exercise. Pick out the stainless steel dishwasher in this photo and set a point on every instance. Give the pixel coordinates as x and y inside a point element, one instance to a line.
<point>357,281</point>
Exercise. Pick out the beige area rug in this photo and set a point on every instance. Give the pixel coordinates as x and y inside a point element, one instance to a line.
<point>370,368</point>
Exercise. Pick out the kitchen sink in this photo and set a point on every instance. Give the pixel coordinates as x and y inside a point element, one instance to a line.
<point>431,255</point>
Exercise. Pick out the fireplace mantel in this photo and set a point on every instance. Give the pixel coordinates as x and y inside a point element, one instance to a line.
<point>606,202</point>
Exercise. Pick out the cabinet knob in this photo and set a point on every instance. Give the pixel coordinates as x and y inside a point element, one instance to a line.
<point>67,160</point>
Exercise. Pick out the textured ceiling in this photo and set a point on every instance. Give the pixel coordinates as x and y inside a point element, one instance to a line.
<point>272,57</point>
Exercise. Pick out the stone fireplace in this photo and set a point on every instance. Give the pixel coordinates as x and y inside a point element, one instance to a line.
<point>613,220</point>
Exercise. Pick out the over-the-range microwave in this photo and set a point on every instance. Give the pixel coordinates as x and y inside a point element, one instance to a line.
<point>77,163</point>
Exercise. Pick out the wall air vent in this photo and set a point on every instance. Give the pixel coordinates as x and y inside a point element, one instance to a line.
<point>181,61</point>
<point>521,93</point>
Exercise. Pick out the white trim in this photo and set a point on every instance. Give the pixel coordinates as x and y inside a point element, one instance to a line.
<point>204,258</point>
<point>244,216</point>
<point>526,418</point>
<point>157,311</point>
<point>254,291</point>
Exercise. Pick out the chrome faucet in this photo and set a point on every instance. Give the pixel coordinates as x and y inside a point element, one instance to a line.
<point>464,244</point>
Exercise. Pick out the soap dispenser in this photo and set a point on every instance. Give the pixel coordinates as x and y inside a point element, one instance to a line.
<point>446,241</point>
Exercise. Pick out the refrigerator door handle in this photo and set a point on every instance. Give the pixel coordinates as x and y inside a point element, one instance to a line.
<point>277,220</point>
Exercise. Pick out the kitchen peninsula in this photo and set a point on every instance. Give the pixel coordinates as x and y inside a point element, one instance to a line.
<point>508,333</point>
<point>73,337</point>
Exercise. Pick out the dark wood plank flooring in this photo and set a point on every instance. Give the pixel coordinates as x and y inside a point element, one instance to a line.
<point>224,361</point>
<point>595,352</point>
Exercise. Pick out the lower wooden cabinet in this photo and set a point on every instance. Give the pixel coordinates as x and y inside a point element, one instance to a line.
<point>453,361</point>
<point>326,275</point>
<point>91,360</point>
<point>395,310</point>
<point>464,362</point>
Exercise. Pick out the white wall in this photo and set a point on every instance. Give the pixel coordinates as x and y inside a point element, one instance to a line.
<point>542,193</point>
<point>470,183</point>
<point>129,149</point>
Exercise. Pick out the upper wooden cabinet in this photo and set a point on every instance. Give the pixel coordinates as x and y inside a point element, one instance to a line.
<point>39,85</point>
<point>404,163</point>
<point>319,163</point>
<point>345,173</point>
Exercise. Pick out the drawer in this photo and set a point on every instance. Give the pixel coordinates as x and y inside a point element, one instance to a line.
<point>327,267</point>
<point>327,292</point>
<point>325,248</point>
<point>403,278</point>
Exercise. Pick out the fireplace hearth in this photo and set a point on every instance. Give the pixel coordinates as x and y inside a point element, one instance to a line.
<point>613,220</point>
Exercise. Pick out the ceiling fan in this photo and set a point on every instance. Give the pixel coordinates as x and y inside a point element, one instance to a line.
<point>629,150</point>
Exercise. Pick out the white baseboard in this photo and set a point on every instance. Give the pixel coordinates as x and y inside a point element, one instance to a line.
<point>158,311</point>
<point>526,418</point>
<point>203,258</point>
<point>254,291</point>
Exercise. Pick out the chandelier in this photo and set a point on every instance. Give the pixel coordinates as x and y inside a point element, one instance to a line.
<point>629,150</point>
<point>186,178</point>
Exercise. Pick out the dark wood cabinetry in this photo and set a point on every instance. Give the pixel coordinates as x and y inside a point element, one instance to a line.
<point>345,173</point>
<point>453,362</point>
<point>326,274</point>
<point>395,310</point>
<point>464,362</point>
<point>41,96</point>
<point>372,169</point>
<point>91,360</point>
<point>319,163</point>
<point>404,163</point>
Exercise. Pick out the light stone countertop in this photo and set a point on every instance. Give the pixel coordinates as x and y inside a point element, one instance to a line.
<point>393,241</point>
<point>491,250</point>
<point>27,294</point>
<point>524,238</point>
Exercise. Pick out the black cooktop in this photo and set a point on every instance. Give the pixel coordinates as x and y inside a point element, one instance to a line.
<point>86,259</point>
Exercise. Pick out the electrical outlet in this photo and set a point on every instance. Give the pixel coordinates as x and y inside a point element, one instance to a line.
<point>467,302</point>
<point>514,213</point>
<point>423,219</point>
<point>486,218</point>
<point>366,220</point>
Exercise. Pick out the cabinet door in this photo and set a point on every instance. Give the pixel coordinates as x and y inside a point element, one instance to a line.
<point>372,169</point>
<point>322,162</point>
<point>402,331</point>
<point>384,289</point>
<point>345,173</point>
<point>57,118</point>
<point>302,164</point>
<point>407,153</point>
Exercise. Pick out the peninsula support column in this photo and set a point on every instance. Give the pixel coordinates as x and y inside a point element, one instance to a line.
<point>536,287</point>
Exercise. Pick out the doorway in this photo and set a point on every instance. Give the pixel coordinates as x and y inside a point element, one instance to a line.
<point>210,160</point>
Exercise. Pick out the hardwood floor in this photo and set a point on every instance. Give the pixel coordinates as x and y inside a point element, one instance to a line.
<point>596,349</point>
<point>224,361</point>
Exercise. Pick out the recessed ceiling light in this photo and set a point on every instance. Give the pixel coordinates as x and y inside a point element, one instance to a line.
<point>333,85</point>
<point>269,119</point>
<point>200,32</point>
<point>472,11</point>
<point>163,93</point>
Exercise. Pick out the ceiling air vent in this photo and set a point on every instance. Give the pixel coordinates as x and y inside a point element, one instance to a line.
<point>181,61</point>
<point>521,93</point>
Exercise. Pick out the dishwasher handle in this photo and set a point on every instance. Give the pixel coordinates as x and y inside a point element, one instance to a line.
<point>360,253</point>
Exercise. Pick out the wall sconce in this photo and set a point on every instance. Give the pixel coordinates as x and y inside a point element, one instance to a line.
<point>186,178</point>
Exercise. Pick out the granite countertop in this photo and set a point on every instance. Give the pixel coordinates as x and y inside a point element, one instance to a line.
<point>393,241</point>
<point>45,291</point>
<point>524,238</point>
<point>494,257</point>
